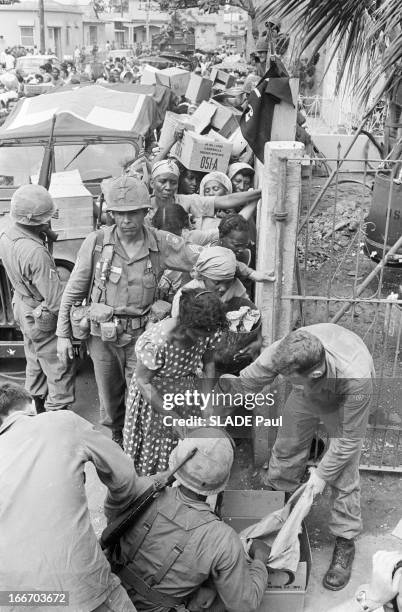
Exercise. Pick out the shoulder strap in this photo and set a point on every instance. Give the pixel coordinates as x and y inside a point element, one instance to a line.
<point>146,527</point>
<point>96,254</point>
<point>155,262</point>
<point>171,558</point>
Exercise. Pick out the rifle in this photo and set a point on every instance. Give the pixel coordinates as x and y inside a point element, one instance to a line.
<point>45,175</point>
<point>113,532</point>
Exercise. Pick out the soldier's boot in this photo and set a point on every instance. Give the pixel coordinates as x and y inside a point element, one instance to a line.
<point>338,574</point>
<point>39,402</point>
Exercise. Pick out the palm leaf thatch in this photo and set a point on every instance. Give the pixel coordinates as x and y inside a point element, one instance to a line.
<point>367,34</point>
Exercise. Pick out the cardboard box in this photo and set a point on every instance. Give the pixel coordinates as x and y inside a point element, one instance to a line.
<point>175,78</point>
<point>74,205</point>
<point>172,122</point>
<point>32,89</point>
<point>222,79</point>
<point>198,89</point>
<point>202,154</point>
<point>149,75</point>
<point>226,119</point>
<point>202,116</point>
<point>243,508</point>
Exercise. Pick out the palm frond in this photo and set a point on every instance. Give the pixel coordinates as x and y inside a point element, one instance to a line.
<point>367,34</point>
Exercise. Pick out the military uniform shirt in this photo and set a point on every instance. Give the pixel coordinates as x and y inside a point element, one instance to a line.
<point>30,267</point>
<point>132,283</point>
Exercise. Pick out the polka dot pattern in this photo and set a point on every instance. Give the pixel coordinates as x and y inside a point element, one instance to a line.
<point>146,439</point>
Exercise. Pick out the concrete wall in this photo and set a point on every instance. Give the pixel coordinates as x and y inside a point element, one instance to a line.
<point>66,20</point>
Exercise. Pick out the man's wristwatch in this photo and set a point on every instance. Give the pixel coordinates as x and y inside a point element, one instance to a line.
<point>367,604</point>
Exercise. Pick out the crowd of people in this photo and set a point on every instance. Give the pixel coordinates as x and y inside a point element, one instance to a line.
<point>163,296</point>
<point>92,64</point>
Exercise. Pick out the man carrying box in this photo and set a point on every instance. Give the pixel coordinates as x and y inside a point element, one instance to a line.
<point>331,372</point>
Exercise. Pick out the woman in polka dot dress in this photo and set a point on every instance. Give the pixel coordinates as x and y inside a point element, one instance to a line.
<point>170,356</point>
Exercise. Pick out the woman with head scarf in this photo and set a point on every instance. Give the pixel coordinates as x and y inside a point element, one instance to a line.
<point>241,176</point>
<point>170,354</point>
<point>215,184</point>
<point>164,182</point>
<point>173,218</point>
<point>215,271</point>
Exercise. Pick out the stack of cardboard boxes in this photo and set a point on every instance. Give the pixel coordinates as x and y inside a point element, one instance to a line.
<point>205,146</point>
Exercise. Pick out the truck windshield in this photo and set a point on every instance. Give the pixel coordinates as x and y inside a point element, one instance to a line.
<point>94,162</point>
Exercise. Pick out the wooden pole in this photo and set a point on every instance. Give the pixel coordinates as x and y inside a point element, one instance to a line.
<point>276,250</point>
<point>42,37</point>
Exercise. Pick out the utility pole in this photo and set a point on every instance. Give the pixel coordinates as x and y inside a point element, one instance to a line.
<point>42,41</point>
<point>147,33</point>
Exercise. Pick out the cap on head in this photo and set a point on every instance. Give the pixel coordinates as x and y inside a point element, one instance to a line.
<point>125,193</point>
<point>166,166</point>
<point>208,471</point>
<point>32,205</point>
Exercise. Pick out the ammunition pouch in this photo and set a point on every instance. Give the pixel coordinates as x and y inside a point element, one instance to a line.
<point>100,313</point>
<point>79,320</point>
<point>108,331</point>
<point>44,320</point>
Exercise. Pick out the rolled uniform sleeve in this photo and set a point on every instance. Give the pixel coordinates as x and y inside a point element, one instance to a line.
<point>42,269</point>
<point>175,252</point>
<point>77,286</point>
<point>345,443</point>
<point>239,584</point>
<point>261,372</point>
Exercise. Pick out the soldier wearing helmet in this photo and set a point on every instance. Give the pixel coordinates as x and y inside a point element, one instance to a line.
<point>37,296</point>
<point>118,268</point>
<point>178,552</point>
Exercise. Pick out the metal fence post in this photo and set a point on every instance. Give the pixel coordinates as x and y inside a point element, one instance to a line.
<point>276,250</point>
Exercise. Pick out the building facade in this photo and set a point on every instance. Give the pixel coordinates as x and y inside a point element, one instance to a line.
<point>19,25</point>
<point>134,22</point>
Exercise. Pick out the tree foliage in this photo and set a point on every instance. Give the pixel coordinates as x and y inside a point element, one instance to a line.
<point>208,6</point>
<point>367,34</point>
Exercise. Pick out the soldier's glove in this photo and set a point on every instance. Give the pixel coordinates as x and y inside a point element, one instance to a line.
<point>316,482</point>
<point>100,313</point>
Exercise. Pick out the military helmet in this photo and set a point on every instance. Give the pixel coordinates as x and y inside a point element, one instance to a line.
<point>208,471</point>
<point>126,193</point>
<point>32,205</point>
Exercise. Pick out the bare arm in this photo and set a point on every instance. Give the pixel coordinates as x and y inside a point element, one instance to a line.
<point>163,153</point>
<point>248,210</point>
<point>233,200</point>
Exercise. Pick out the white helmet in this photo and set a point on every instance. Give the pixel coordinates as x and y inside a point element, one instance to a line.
<point>208,471</point>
